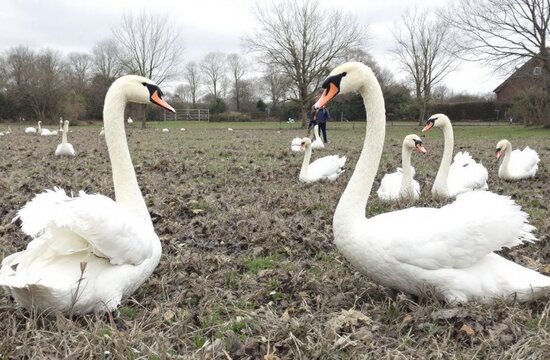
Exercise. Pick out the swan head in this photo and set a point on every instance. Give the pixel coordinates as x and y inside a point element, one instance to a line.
<point>436,120</point>
<point>343,79</point>
<point>141,90</point>
<point>502,145</point>
<point>414,141</point>
<point>306,142</point>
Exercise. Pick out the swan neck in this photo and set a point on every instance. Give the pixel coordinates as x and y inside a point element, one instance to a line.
<point>305,164</point>
<point>440,186</point>
<point>507,156</point>
<point>127,192</point>
<point>351,206</point>
<point>406,189</point>
<point>64,134</point>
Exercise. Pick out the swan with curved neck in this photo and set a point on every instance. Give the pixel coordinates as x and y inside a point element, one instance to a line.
<point>65,149</point>
<point>517,164</point>
<point>400,184</point>
<point>89,252</point>
<point>454,255</point>
<point>464,174</point>
<point>325,168</point>
<point>317,143</point>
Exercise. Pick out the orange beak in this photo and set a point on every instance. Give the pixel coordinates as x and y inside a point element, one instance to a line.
<point>428,126</point>
<point>498,154</point>
<point>327,95</point>
<point>156,99</point>
<point>421,148</point>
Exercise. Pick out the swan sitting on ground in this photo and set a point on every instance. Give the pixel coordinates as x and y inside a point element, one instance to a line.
<point>32,130</point>
<point>325,168</point>
<point>517,164</point>
<point>400,184</point>
<point>447,251</point>
<point>65,149</point>
<point>296,144</point>
<point>165,130</point>
<point>318,143</point>
<point>43,131</point>
<point>89,252</point>
<point>464,174</point>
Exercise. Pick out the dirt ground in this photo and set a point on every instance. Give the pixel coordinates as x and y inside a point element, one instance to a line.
<point>249,269</point>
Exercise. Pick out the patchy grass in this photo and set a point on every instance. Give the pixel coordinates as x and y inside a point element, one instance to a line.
<point>249,267</point>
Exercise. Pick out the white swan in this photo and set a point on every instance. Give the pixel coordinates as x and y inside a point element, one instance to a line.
<point>130,121</point>
<point>89,252</point>
<point>43,131</point>
<point>32,130</point>
<point>464,174</point>
<point>296,144</point>
<point>65,149</point>
<point>400,184</point>
<point>447,250</point>
<point>517,164</point>
<point>318,143</point>
<point>165,130</point>
<point>325,168</point>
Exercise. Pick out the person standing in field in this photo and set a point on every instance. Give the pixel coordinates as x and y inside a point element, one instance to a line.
<point>322,117</point>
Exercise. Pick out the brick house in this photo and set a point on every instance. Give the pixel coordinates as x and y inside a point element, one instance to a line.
<point>528,76</point>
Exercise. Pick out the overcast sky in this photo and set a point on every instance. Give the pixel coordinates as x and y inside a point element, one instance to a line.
<point>206,25</point>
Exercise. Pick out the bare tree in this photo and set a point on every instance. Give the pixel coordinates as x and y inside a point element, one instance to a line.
<point>193,76</point>
<point>502,33</point>
<point>275,86</point>
<point>303,41</point>
<point>424,49</point>
<point>237,66</point>
<point>213,68</point>
<point>80,71</point>
<point>150,45</point>
<point>106,59</point>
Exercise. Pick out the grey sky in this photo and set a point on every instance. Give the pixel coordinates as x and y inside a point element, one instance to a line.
<point>207,25</point>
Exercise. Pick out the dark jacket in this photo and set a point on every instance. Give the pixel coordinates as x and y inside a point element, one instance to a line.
<point>322,116</point>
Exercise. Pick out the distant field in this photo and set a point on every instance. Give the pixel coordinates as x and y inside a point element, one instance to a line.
<point>249,267</point>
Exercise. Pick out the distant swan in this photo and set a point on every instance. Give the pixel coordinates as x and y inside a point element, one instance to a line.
<point>400,184</point>
<point>65,149</point>
<point>447,251</point>
<point>464,174</point>
<point>31,130</point>
<point>89,252</point>
<point>517,164</point>
<point>325,168</point>
<point>296,144</point>
<point>318,143</point>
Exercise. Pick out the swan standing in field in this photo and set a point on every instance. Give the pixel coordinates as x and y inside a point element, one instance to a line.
<point>317,143</point>
<point>400,184</point>
<point>65,149</point>
<point>296,144</point>
<point>89,252</point>
<point>325,168</point>
<point>465,174</point>
<point>447,250</point>
<point>517,164</point>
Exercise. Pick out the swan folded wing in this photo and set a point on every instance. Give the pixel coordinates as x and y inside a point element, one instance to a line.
<point>528,160</point>
<point>327,166</point>
<point>108,228</point>
<point>459,234</point>
<point>467,176</point>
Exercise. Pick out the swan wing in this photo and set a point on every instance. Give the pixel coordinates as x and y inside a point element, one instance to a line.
<point>465,174</point>
<point>328,167</point>
<point>107,227</point>
<point>390,185</point>
<point>524,162</point>
<point>457,235</point>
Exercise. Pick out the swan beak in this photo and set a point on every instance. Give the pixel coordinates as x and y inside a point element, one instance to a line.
<point>327,95</point>
<point>498,153</point>
<point>420,147</point>
<point>157,100</point>
<point>428,126</point>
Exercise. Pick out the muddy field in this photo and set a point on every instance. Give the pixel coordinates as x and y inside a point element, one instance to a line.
<point>249,269</point>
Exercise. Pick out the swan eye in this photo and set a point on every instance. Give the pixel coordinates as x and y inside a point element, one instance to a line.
<point>498,149</point>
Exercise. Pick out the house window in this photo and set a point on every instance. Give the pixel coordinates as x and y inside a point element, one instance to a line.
<point>537,70</point>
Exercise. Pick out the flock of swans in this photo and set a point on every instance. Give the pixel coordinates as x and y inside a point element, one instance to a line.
<point>89,252</point>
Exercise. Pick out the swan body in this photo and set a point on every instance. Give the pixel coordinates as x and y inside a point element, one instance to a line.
<point>182,129</point>
<point>165,130</point>
<point>89,252</point>
<point>326,168</point>
<point>31,130</point>
<point>464,174</point>
<point>43,131</point>
<point>65,149</point>
<point>452,256</point>
<point>317,143</point>
<point>296,144</point>
<point>517,164</point>
<point>130,121</point>
<point>400,185</point>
